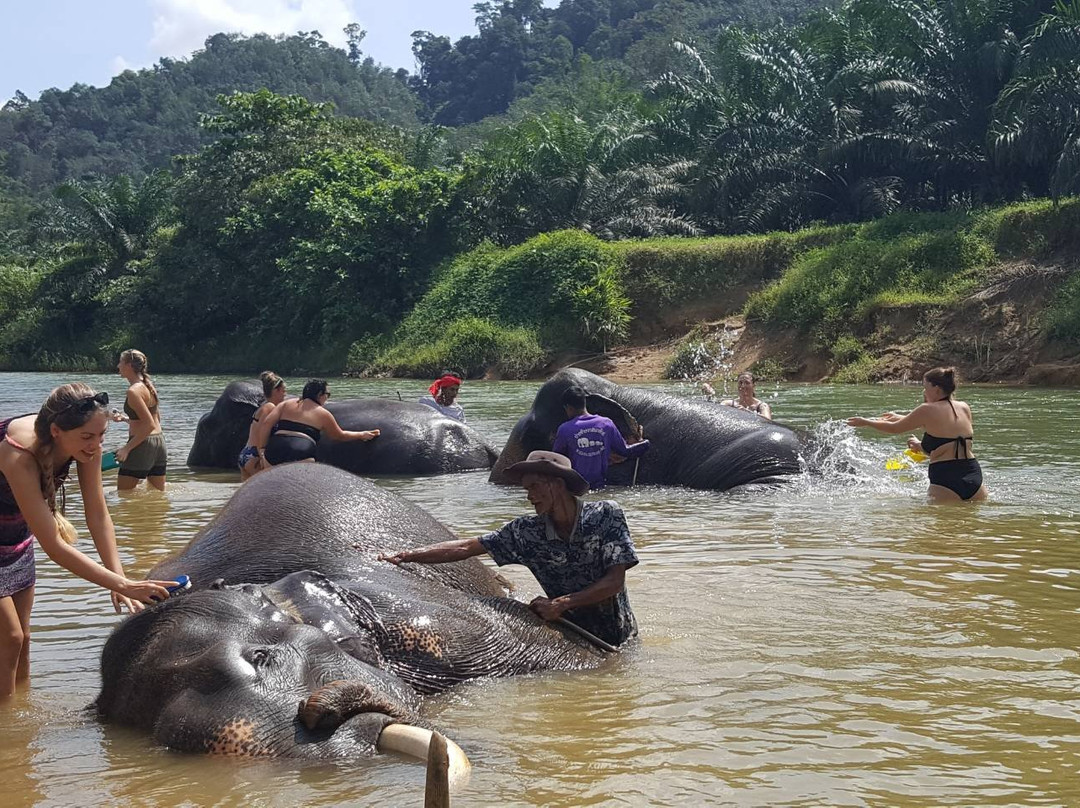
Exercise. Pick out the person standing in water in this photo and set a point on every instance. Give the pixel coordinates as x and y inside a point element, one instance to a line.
<point>954,472</point>
<point>143,457</point>
<point>36,453</point>
<point>578,551</point>
<point>746,399</point>
<point>444,391</point>
<point>274,392</point>
<point>590,440</point>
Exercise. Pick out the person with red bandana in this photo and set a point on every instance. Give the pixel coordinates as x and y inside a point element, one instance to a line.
<point>443,392</point>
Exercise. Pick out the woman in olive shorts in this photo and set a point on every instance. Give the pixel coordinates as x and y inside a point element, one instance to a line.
<point>143,457</point>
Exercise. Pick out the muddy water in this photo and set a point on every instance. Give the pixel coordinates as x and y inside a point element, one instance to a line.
<point>833,642</point>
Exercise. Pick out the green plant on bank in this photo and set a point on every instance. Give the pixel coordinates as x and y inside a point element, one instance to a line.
<point>862,370</point>
<point>472,345</point>
<point>770,369</point>
<point>847,349</point>
<point>662,272</point>
<point>1063,316</point>
<point>903,259</point>
<point>561,287</point>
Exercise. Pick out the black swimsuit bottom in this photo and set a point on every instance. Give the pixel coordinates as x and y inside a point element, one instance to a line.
<point>964,477</point>
<point>291,448</point>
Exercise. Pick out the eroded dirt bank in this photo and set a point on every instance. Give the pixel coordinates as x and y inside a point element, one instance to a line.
<point>996,334</point>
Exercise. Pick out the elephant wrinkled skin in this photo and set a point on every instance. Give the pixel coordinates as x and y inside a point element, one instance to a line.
<point>415,439</point>
<point>693,443</point>
<point>296,641</point>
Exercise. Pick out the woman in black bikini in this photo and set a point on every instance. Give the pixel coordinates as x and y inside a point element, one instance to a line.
<point>955,474</point>
<point>746,399</point>
<point>290,434</point>
<point>274,392</point>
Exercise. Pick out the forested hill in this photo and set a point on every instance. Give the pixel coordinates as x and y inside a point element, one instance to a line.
<point>143,118</point>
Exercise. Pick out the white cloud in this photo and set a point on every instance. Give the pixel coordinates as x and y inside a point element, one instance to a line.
<point>119,64</point>
<point>181,26</point>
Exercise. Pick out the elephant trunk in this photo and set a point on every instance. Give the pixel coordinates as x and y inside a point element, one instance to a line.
<point>446,766</point>
<point>513,452</point>
<point>336,702</point>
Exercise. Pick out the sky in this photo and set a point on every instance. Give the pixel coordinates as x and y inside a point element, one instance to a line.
<point>56,43</point>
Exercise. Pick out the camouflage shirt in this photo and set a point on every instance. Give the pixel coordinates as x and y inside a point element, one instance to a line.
<point>600,541</point>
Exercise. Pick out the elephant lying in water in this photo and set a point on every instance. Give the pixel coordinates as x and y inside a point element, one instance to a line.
<point>698,444</point>
<point>415,439</point>
<point>297,642</point>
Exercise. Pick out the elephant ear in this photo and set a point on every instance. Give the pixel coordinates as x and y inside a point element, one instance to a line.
<point>626,423</point>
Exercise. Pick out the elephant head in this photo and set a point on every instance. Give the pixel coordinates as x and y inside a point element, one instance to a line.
<point>694,443</point>
<point>227,672</point>
<point>223,431</point>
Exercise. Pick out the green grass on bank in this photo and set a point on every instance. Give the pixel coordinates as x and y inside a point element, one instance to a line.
<point>513,309</point>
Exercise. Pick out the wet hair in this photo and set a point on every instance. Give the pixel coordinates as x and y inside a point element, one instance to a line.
<point>313,389</point>
<point>139,363</point>
<point>270,382</point>
<point>747,375</point>
<point>69,406</point>
<point>945,378</point>
<point>574,396</point>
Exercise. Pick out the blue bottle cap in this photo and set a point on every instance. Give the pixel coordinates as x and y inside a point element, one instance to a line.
<point>182,583</point>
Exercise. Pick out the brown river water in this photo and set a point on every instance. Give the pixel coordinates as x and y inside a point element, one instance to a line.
<point>836,641</point>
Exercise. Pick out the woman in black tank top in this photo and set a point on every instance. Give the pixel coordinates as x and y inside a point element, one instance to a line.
<point>954,472</point>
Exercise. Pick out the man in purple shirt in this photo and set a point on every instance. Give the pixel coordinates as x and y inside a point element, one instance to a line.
<point>589,440</point>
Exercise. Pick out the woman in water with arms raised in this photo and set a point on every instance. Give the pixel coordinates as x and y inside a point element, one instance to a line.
<point>36,452</point>
<point>954,472</point>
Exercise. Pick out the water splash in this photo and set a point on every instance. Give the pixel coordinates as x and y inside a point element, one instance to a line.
<point>836,458</point>
<point>707,356</point>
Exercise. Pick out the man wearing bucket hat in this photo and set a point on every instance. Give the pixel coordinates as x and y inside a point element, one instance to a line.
<point>578,551</point>
<point>443,392</point>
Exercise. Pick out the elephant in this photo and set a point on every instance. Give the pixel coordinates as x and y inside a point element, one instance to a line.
<point>295,640</point>
<point>415,439</point>
<point>697,444</point>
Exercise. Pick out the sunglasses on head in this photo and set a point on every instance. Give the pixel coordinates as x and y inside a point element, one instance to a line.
<point>88,403</point>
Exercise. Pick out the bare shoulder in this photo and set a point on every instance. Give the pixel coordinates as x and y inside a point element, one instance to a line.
<point>17,462</point>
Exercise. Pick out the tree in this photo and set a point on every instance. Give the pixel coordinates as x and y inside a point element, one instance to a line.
<point>1037,117</point>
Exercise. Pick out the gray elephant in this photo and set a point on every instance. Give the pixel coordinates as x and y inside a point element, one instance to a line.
<point>415,439</point>
<point>296,641</point>
<point>698,444</point>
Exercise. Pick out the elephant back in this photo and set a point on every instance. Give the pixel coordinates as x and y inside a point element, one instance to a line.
<point>313,516</point>
<point>696,443</point>
<point>415,440</point>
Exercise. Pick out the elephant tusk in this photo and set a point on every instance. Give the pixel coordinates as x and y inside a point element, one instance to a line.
<point>416,742</point>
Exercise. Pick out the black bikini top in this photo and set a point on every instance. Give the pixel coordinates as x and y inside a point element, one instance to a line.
<point>932,442</point>
<point>295,426</point>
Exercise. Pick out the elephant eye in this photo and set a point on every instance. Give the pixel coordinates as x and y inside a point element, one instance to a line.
<point>260,657</point>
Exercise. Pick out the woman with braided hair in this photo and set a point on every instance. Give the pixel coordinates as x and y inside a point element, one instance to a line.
<point>36,453</point>
<point>144,455</point>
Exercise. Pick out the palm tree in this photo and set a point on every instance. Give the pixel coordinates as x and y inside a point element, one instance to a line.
<point>555,171</point>
<point>1037,117</point>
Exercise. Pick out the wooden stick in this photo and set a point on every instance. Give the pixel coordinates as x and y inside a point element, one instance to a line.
<point>562,621</point>
<point>437,786</point>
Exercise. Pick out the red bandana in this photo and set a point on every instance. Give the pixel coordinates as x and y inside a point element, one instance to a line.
<point>445,381</point>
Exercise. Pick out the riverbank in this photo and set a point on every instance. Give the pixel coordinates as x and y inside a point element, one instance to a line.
<point>997,297</point>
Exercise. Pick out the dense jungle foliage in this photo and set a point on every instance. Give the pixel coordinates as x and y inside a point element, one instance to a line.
<point>272,228</point>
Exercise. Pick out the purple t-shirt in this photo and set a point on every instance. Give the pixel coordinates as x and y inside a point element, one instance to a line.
<point>588,441</point>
